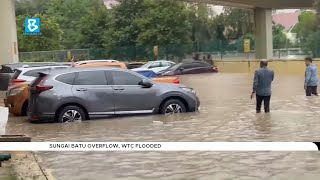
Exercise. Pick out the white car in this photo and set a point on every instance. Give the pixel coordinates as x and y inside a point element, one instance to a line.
<point>93,61</point>
<point>28,74</point>
<point>156,66</point>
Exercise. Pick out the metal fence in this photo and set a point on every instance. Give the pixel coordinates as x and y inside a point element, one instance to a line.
<point>217,51</point>
<point>54,56</point>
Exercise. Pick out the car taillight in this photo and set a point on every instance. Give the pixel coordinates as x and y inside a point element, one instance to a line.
<point>40,88</point>
<point>176,81</point>
<point>18,81</point>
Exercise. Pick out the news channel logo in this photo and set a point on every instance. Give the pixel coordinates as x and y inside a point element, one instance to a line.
<point>32,27</point>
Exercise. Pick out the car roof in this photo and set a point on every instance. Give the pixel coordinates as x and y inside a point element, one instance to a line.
<point>94,61</point>
<point>161,61</point>
<point>39,67</point>
<point>97,64</point>
<point>79,69</point>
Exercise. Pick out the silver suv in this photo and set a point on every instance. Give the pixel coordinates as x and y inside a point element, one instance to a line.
<point>76,94</point>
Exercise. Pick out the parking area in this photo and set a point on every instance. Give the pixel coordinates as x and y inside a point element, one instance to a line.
<point>227,114</point>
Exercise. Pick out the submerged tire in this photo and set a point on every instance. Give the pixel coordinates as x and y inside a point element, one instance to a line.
<point>173,106</point>
<point>71,114</point>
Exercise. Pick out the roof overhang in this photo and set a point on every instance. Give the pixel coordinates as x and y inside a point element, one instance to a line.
<point>269,4</point>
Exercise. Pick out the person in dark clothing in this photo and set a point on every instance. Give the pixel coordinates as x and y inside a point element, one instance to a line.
<point>196,56</point>
<point>263,78</point>
<point>311,78</point>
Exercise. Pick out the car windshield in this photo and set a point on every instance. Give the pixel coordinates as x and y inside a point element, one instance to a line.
<point>147,64</point>
<point>176,66</point>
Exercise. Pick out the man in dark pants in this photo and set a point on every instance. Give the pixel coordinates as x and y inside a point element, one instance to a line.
<point>263,78</point>
<point>311,78</point>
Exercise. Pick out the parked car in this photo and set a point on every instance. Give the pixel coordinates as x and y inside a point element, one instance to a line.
<point>133,65</point>
<point>155,66</point>
<point>189,67</point>
<point>156,77</point>
<point>93,61</point>
<point>16,98</point>
<point>28,74</point>
<point>104,64</point>
<point>7,70</point>
<point>85,93</point>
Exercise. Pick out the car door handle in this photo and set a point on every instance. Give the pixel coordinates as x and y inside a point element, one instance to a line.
<point>119,89</point>
<point>82,89</point>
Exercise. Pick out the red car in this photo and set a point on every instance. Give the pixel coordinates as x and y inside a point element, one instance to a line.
<point>189,67</point>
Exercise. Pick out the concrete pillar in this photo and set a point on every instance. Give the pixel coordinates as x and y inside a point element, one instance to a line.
<point>4,115</point>
<point>263,33</point>
<point>8,33</point>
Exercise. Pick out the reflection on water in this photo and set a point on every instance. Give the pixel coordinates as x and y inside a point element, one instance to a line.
<point>227,114</point>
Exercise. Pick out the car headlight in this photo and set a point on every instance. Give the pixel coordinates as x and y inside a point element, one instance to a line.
<point>189,90</point>
<point>15,91</point>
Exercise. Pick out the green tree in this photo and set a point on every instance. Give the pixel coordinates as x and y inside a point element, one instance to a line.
<point>279,37</point>
<point>165,23</point>
<point>49,40</point>
<point>122,35</point>
<point>306,31</point>
<point>199,17</point>
<point>31,7</point>
<point>238,22</point>
<point>68,14</point>
<point>93,25</point>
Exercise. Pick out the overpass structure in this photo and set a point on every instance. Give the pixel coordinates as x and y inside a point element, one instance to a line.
<point>262,12</point>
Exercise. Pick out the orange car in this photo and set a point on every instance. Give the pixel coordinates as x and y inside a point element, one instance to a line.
<point>17,99</point>
<point>102,64</point>
<point>123,66</point>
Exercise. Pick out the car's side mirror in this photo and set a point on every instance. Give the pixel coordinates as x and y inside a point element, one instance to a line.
<point>181,69</point>
<point>145,83</point>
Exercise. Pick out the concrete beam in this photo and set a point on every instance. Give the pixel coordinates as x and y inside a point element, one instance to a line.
<point>8,33</point>
<point>270,4</point>
<point>263,33</point>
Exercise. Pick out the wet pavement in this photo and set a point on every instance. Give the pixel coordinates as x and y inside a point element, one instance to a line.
<point>227,114</point>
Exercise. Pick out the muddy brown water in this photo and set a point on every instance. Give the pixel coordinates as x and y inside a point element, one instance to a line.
<point>227,114</point>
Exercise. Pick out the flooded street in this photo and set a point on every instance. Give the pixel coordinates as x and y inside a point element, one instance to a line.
<point>227,114</point>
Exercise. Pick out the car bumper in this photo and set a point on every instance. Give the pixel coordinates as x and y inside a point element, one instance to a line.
<point>13,105</point>
<point>194,105</point>
<point>41,117</point>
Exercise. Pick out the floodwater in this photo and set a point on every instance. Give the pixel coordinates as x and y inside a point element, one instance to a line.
<point>227,114</point>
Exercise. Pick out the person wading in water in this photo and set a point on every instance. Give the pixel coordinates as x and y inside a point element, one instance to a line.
<point>311,78</point>
<point>263,78</point>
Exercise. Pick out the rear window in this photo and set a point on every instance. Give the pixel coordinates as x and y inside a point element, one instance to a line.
<point>16,74</point>
<point>35,73</point>
<point>66,78</point>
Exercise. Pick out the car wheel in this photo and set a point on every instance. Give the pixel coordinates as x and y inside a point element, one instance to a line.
<point>173,106</point>
<point>71,114</point>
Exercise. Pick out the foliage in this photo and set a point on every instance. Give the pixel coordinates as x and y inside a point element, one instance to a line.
<point>279,37</point>
<point>68,14</point>
<point>307,33</point>
<point>49,40</point>
<point>92,26</point>
<point>238,22</point>
<point>124,30</point>
<point>31,7</point>
<point>164,26</point>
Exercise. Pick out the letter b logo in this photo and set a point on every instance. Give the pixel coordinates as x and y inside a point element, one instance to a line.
<point>32,25</point>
